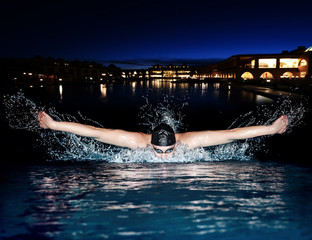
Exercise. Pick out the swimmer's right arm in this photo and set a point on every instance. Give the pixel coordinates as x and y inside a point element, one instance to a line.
<point>110,136</point>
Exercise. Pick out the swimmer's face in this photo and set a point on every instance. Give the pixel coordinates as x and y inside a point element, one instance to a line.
<point>163,151</point>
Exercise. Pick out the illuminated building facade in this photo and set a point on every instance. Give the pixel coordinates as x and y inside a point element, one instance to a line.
<point>296,64</point>
<point>135,74</point>
<point>170,72</point>
<point>160,72</point>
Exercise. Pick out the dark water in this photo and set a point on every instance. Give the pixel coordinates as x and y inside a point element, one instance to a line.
<point>60,186</point>
<point>218,200</point>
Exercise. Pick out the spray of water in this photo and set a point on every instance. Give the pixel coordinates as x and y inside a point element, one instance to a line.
<point>21,113</point>
<point>168,110</point>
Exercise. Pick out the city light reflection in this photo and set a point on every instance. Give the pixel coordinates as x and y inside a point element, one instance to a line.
<point>61,92</point>
<point>103,90</point>
<point>263,100</point>
<point>133,87</point>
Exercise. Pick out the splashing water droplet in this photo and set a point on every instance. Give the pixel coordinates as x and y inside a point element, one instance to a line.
<point>169,111</point>
<point>267,114</point>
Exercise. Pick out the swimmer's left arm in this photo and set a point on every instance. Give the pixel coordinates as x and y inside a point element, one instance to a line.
<point>210,138</point>
<point>110,136</point>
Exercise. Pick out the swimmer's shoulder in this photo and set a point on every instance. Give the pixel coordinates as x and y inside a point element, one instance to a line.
<point>142,139</point>
<point>182,137</point>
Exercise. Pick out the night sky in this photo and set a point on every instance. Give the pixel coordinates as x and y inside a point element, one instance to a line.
<point>140,33</point>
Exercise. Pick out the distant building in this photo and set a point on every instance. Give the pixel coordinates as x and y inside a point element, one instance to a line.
<point>135,73</point>
<point>160,72</point>
<point>170,71</point>
<point>40,70</point>
<point>296,64</point>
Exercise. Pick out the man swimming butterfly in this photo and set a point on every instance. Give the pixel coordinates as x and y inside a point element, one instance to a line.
<point>163,139</point>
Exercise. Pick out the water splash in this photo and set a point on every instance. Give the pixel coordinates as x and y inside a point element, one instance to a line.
<point>168,110</point>
<point>21,113</point>
<point>267,114</point>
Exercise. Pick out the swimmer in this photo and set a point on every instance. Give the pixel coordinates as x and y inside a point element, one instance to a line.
<point>163,139</point>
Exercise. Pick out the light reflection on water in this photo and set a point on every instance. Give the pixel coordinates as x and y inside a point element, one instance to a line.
<point>103,90</point>
<point>160,201</point>
<point>213,92</point>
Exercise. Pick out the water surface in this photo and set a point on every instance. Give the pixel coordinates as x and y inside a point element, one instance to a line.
<point>219,200</point>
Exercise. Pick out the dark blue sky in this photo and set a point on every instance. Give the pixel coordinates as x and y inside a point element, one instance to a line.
<point>137,32</point>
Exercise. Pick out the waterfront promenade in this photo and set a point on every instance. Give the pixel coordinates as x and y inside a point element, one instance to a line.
<point>269,92</point>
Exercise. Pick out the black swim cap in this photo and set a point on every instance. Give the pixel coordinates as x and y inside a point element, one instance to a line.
<point>163,135</point>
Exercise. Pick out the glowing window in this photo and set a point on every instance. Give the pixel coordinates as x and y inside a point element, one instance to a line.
<point>247,75</point>
<point>253,63</point>
<point>266,75</point>
<point>267,63</point>
<point>169,73</point>
<point>302,74</point>
<point>288,75</point>
<point>289,63</point>
<point>303,62</point>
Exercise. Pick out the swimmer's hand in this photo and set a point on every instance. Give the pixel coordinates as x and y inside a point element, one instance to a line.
<point>45,121</point>
<point>280,125</point>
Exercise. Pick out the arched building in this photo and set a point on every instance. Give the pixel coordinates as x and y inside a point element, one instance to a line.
<point>294,64</point>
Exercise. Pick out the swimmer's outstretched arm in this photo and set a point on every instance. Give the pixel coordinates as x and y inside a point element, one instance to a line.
<point>111,136</point>
<point>211,138</point>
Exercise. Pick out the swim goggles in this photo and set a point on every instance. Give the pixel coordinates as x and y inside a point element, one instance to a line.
<point>159,151</point>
